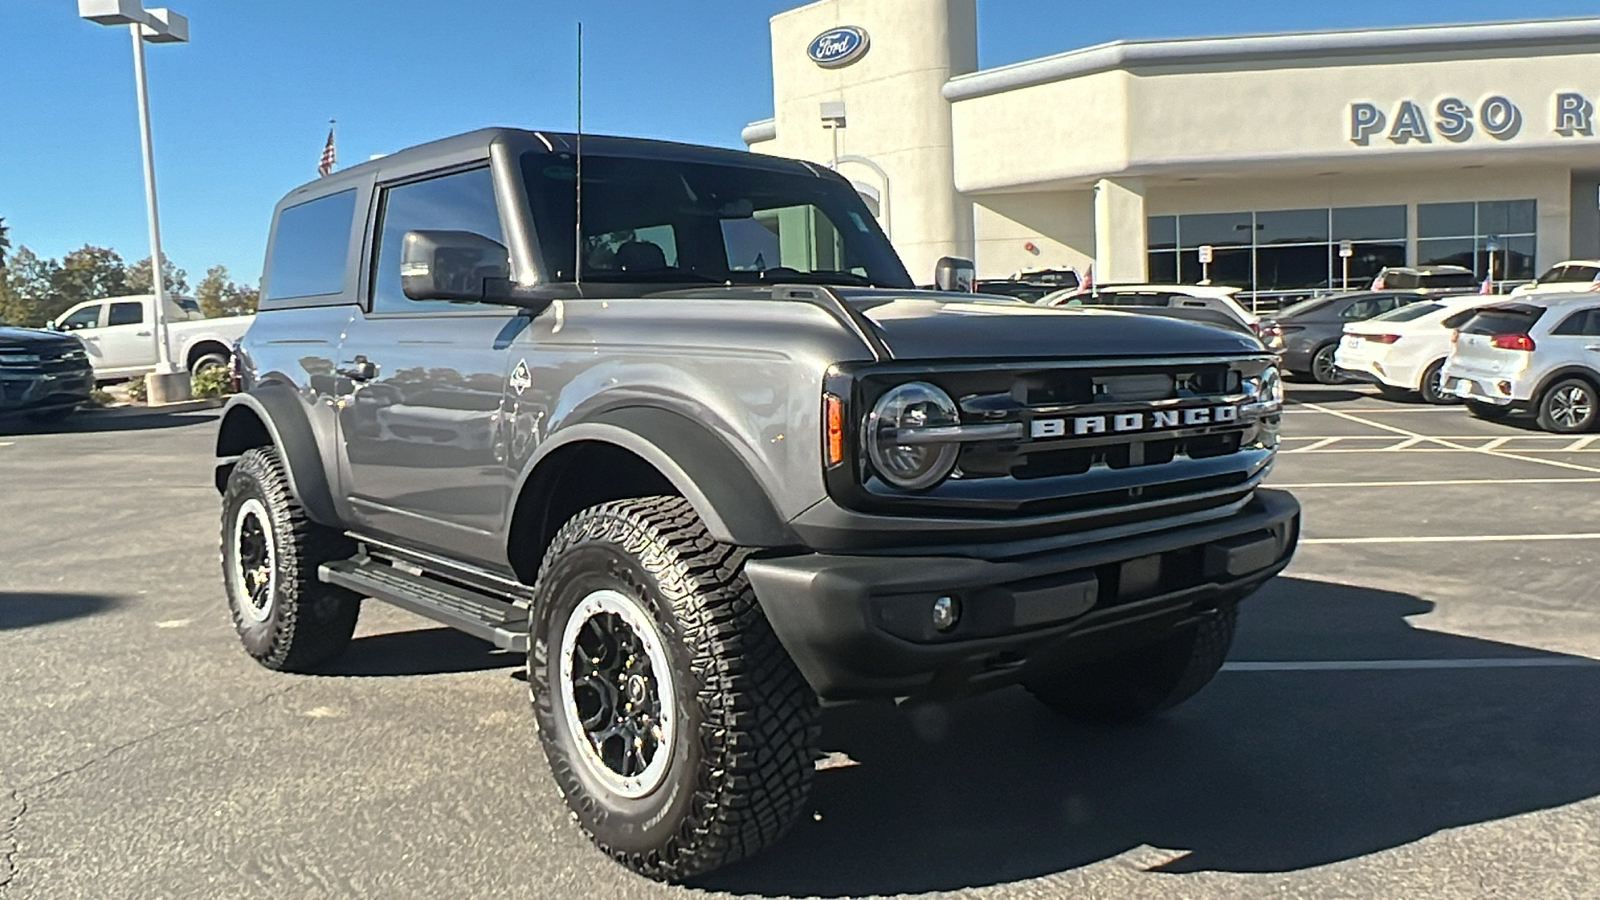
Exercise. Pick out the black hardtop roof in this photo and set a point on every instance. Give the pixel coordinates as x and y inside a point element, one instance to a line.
<point>475,144</point>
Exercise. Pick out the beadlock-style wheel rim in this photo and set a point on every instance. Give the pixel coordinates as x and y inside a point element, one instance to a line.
<point>255,570</point>
<point>1571,406</point>
<point>617,693</point>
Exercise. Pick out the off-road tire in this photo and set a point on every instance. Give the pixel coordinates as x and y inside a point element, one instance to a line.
<point>1142,681</point>
<point>1570,406</point>
<point>743,744</point>
<point>1488,412</point>
<point>304,623</point>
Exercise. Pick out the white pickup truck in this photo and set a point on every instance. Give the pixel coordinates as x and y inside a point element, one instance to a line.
<point>119,333</point>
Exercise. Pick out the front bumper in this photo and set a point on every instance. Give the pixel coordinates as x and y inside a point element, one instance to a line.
<point>33,391</point>
<point>861,627</point>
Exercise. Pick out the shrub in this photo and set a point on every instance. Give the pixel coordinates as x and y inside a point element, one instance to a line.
<point>98,397</point>
<point>137,392</point>
<point>211,382</point>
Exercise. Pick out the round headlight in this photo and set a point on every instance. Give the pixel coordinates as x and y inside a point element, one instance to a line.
<point>900,456</point>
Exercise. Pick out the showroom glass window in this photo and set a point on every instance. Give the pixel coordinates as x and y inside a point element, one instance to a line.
<point>1278,250</point>
<point>463,201</point>
<point>1458,234</point>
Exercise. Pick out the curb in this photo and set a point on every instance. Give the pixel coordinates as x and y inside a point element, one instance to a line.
<point>142,410</point>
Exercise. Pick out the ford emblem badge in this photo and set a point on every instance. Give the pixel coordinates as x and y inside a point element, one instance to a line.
<point>838,46</point>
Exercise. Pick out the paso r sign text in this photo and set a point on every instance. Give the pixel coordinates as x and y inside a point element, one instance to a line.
<point>1456,121</point>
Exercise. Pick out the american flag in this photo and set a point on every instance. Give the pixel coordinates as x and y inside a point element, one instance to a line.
<point>329,156</point>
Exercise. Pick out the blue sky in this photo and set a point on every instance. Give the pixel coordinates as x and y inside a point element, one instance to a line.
<point>241,112</point>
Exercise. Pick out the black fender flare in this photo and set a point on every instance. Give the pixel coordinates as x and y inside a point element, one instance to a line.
<point>708,473</point>
<point>279,411</point>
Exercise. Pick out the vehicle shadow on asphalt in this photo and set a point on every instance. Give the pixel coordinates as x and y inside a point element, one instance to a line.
<point>97,420</point>
<point>427,651</point>
<point>1262,772</point>
<point>26,609</point>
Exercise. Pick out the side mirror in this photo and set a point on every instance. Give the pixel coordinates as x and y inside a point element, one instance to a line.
<point>952,273</point>
<point>52,326</point>
<point>454,265</point>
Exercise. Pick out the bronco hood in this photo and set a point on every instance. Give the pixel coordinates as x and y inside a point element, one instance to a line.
<point>946,326</point>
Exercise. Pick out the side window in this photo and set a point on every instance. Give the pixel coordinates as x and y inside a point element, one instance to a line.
<point>88,317</point>
<point>125,314</point>
<point>1584,322</point>
<point>463,201</point>
<point>1360,310</point>
<point>309,247</point>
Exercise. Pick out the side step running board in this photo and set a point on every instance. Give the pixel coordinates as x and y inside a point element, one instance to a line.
<point>480,615</point>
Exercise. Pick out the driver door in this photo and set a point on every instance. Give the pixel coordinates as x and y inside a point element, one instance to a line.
<point>424,385</point>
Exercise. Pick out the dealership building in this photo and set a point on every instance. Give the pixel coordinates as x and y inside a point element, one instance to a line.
<point>1402,146</point>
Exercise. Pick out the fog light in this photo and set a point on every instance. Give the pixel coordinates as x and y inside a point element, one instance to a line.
<point>946,613</point>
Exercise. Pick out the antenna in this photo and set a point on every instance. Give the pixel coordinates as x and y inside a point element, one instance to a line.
<point>577,237</point>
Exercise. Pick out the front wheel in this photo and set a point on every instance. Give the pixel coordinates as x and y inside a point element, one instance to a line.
<point>286,617</point>
<point>1142,681</point>
<point>1568,407</point>
<point>677,728</point>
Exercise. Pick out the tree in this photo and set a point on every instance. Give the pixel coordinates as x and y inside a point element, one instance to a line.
<point>218,295</point>
<point>140,282</point>
<point>5,241</point>
<point>30,294</point>
<point>89,273</point>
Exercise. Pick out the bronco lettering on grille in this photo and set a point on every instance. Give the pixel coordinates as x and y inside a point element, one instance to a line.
<point>1135,422</point>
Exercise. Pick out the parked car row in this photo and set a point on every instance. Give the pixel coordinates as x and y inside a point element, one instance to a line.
<point>119,335</point>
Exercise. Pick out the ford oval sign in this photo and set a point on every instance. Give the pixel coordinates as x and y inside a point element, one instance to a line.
<point>838,47</point>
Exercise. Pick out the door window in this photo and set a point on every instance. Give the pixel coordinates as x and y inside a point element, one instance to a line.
<point>1367,307</point>
<point>309,247</point>
<point>463,201</point>
<point>125,314</point>
<point>88,317</point>
<point>1584,322</point>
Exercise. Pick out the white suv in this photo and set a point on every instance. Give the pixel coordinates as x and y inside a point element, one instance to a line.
<point>1564,278</point>
<point>1180,296</point>
<point>1539,353</point>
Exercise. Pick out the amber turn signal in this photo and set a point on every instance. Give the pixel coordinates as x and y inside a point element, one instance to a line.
<point>833,429</point>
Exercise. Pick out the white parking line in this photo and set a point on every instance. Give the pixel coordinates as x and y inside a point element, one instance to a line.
<point>1317,445</point>
<point>1314,408</point>
<point>1577,445</point>
<point>1495,444</point>
<point>1381,665</point>
<point>1455,538</point>
<point>6,443</point>
<point>1446,443</point>
<point>1434,483</point>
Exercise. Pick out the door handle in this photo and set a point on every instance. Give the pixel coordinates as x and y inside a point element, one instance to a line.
<point>360,370</point>
<point>142,334</point>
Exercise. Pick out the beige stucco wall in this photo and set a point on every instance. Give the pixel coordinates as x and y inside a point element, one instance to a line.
<point>1060,224</point>
<point>896,115</point>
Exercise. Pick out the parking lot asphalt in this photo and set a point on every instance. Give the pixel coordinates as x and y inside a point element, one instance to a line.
<point>1410,711</point>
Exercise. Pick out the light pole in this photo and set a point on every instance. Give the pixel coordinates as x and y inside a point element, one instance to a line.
<point>158,26</point>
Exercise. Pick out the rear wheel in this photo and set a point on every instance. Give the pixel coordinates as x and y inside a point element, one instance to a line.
<point>1144,680</point>
<point>675,724</point>
<point>209,361</point>
<point>1568,407</point>
<point>1487,411</point>
<point>1322,365</point>
<point>1432,386</point>
<point>286,617</point>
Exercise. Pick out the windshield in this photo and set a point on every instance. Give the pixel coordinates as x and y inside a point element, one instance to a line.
<point>664,222</point>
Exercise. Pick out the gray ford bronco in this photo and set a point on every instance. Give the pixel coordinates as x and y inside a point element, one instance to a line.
<point>696,444</point>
